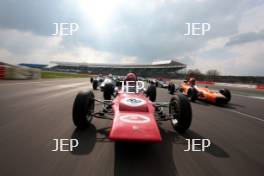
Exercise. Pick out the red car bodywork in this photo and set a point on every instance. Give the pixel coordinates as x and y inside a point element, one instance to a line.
<point>134,119</point>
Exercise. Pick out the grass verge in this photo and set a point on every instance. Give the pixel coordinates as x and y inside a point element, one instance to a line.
<point>53,74</point>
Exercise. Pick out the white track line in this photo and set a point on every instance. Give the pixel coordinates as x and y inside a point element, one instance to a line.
<point>250,96</point>
<point>247,115</point>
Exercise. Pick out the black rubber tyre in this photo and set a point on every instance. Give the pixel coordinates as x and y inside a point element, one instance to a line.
<point>91,79</point>
<point>226,93</point>
<point>192,94</point>
<point>118,83</point>
<point>108,91</point>
<point>181,109</point>
<point>172,89</point>
<point>83,107</point>
<point>181,89</point>
<point>152,93</point>
<point>95,84</point>
<point>169,86</point>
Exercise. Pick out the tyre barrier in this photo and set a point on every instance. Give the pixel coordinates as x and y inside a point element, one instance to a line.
<point>2,71</point>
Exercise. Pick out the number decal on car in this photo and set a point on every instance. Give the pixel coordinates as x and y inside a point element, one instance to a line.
<point>135,118</point>
<point>133,101</point>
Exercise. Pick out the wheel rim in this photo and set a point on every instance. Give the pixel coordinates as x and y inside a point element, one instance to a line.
<point>174,121</point>
<point>90,111</point>
<point>174,111</point>
<point>89,117</point>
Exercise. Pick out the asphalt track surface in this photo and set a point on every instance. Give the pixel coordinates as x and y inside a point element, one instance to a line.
<point>33,113</point>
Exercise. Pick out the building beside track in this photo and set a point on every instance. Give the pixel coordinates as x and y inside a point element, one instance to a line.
<point>168,68</point>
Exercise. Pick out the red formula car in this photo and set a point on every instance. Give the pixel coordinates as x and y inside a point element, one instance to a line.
<point>195,92</point>
<point>134,115</point>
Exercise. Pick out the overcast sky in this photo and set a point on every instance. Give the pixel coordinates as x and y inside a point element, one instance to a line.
<point>136,31</point>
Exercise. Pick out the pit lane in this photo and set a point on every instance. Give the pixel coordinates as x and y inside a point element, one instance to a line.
<point>35,112</point>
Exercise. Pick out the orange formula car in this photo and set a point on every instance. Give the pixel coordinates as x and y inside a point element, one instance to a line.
<point>194,93</point>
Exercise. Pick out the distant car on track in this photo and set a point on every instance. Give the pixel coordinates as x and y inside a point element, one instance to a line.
<point>171,88</point>
<point>195,92</point>
<point>162,84</point>
<point>107,81</point>
<point>97,82</point>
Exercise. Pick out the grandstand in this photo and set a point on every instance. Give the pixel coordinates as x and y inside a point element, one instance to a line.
<point>168,68</point>
<point>40,66</point>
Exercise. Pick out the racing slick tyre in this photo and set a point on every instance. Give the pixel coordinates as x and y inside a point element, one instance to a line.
<point>226,93</point>
<point>83,108</point>
<point>108,91</point>
<point>181,111</point>
<point>118,83</point>
<point>192,94</point>
<point>95,84</point>
<point>152,93</point>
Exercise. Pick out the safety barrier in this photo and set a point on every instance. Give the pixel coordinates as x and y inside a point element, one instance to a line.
<point>2,71</point>
<point>261,86</point>
<point>205,82</point>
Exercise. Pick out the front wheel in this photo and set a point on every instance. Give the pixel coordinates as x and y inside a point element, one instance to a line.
<point>181,112</point>
<point>83,108</point>
<point>151,93</point>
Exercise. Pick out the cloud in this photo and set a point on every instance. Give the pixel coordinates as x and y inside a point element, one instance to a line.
<point>245,38</point>
<point>26,42</point>
<point>119,31</point>
<point>252,20</point>
<point>243,59</point>
<point>20,47</point>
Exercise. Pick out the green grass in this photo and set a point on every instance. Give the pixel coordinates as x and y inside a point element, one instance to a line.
<point>52,74</point>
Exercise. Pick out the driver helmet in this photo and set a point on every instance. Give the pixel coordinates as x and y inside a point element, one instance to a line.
<point>131,77</point>
<point>192,81</point>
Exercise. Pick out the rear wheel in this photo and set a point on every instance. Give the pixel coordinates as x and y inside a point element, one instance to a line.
<point>226,93</point>
<point>83,108</point>
<point>95,84</point>
<point>192,94</point>
<point>181,111</point>
<point>108,91</point>
<point>151,93</point>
